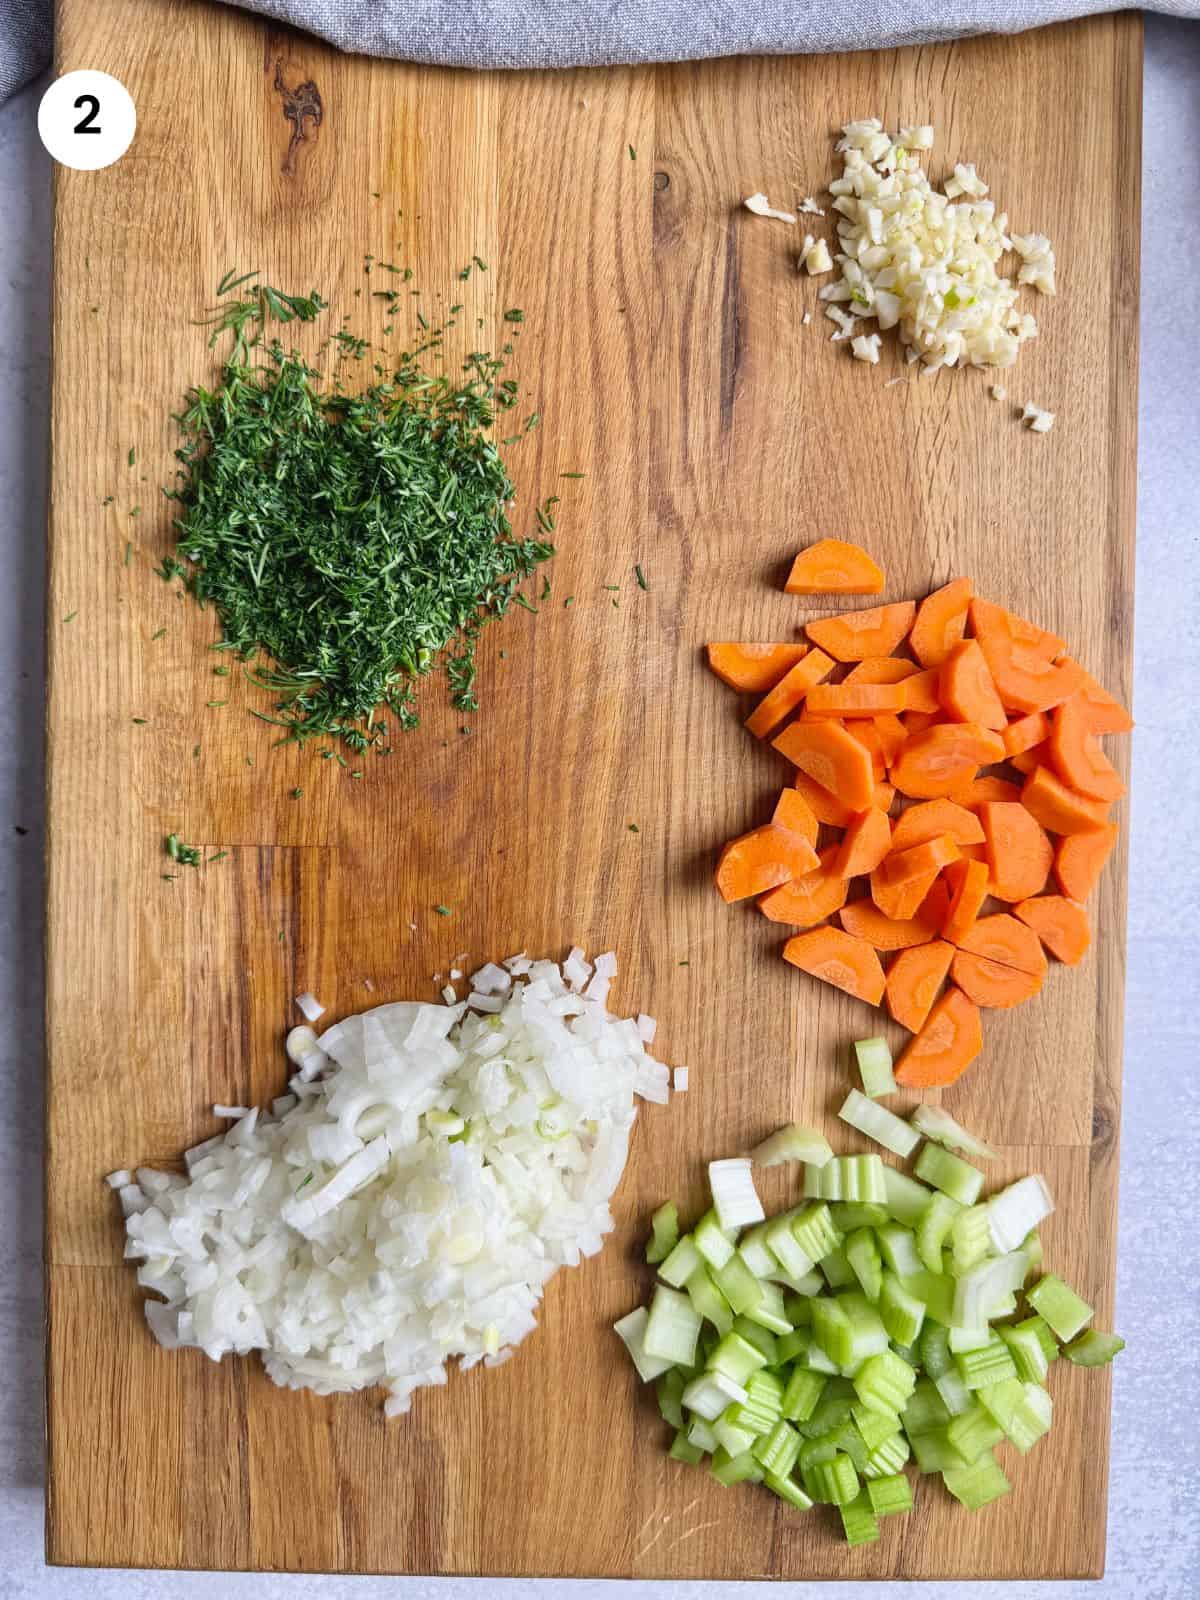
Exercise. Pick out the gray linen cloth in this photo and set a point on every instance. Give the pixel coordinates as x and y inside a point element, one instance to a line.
<point>570,33</point>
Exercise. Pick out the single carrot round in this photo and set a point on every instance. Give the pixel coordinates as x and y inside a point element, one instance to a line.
<point>793,811</point>
<point>1076,755</point>
<point>949,1041</point>
<point>992,621</point>
<point>1018,852</point>
<point>809,898</point>
<point>865,843</point>
<point>933,817</point>
<point>1060,809</point>
<point>968,881</point>
<point>855,635</point>
<point>913,982</point>
<point>966,690</point>
<point>940,622</point>
<point>834,566</point>
<point>838,958</point>
<point>1080,857</point>
<point>832,758</point>
<point>787,694</point>
<point>760,860</point>
<point>1002,939</point>
<point>935,763</point>
<point>864,920</point>
<point>991,984</point>
<point>753,668</point>
<point>1060,924</point>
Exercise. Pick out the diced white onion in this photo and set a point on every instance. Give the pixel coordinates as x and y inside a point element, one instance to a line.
<point>230,1111</point>
<point>310,1006</point>
<point>1039,421</point>
<point>681,1080</point>
<point>119,1179</point>
<point>762,207</point>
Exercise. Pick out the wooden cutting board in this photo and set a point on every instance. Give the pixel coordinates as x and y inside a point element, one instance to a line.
<point>665,348</point>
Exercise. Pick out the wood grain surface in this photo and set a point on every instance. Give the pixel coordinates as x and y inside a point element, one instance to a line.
<point>665,349</point>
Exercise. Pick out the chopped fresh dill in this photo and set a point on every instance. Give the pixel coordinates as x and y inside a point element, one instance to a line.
<point>641,578</point>
<point>187,855</point>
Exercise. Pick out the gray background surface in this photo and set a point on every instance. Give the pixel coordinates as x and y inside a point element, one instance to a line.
<point>1154,1513</point>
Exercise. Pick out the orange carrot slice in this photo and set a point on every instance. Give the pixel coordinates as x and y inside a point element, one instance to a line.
<point>922,690</point>
<point>968,882</point>
<point>881,669</point>
<point>787,694</point>
<point>855,635</point>
<point>883,796</point>
<point>856,699</point>
<point>831,757</point>
<point>832,566</point>
<point>1079,860</point>
<point>1030,760</point>
<point>1076,755</point>
<point>932,817</point>
<point>1060,924</point>
<point>935,763</point>
<point>988,620</point>
<point>901,901</point>
<point>913,982</point>
<point>1104,713</point>
<point>1007,942</point>
<point>1018,852</point>
<point>865,921</point>
<point>1025,733</point>
<point>809,898</point>
<point>940,621</point>
<point>866,731</point>
<point>945,1047</point>
<point>865,843</point>
<point>966,690</point>
<point>1024,680</point>
<point>838,958</point>
<point>793,811</point>
<point>825,806</point>
<point>986,788</point>
<point>760,860</point>
<point>1060,809</point>
<point>753,668</point>
<point>893,736</point>
<point>919,860</point>
<point>991,984</point>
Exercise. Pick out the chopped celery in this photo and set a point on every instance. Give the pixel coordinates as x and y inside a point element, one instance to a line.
<point>713,1243</point>
<point>818,1361</point>
<point>738,1284</point>
<point>949,1173</point>
<point>681,1263</point>
<point>767,1311</point>
<point>846,1178</point>
<point>1045,1335</point>
<point>936,1293</point>
<point>763,1340</point>
<point>903,1315</point>
<point>701,1435</point>
<point>833,1482</point>
<point>804,1389</point>
<point>977,1485</point>
<point>673,1327</point>
<point>734,1435</point>
<point>867,1334</point>
<point>874,1057</point>
<point>708,1300</point>
<point>956,1397</point>
<point>1003,1305</point>
<point>935,1349</point>
<point>970,1237</point>
<point>1016,1211</point>
<point>782,1243</point>
<point>848,1440</point>
<point>933,1229</point>
<point>1093,1348</point>
<point>1022,1410</point>
<point>815,1232</point>
<point>858,1521</point>
<point>890,1494</point>
<point>839,1274</point>
<point>682,1449</point>
<point>834,1407</point>
<point>821,1448</point>
<point>793,1143</point>
<point>973,1432</point>
<point>728,1470</point>
<point>752,1247</point>
<point>631,1330</point>
<point>898,1247</point>
<point>980,1291</point>
<point>990,1363</point>
<point>905,1197</point>
<point>669,1389</point>
<point>874,1426</point>
<point>764,1393</point>
<point>941,1127</point>
<point>665,1236</point>
<point>710,1394</point>
<point>969,1338</point>
<point>776,1451</point>
<point>1060,1306</point>
<point>735,1199</point>
<point>788,1489</point>
<point>850,1214</point>
<point>1027,1350</point>
<point>887,1457</point>
<point>1032,1247</point>
<point>880,1124</point>
<point>884,1383</point>
<point>933,1452</point>
<point>863,1255</point>
<point>811,1283</point>
<point>737,1358</point>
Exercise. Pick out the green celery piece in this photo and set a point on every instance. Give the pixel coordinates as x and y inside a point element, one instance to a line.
<point>989,1364</point>
<point>1058,1304</point>
<point>858,1521</point>
<point>793,1143</point>
<point>803,1390</point>
<point>874,1426</point>
<point>902,1313</point>
<point>977,1485</point>
<point>815,1232</point>
<point>884,1383</point>
<point>906,1352</point>
<point>631,1330</point>
<point>935,1349</point>
<point>970,1237</point>
<point>834,1407</point>
<point>1045,1335</point>
<point>874,1057</point>
<point>738,1284</point>
<point>728,1470</point>
<point>1022,1410</point>
<point>733,1436</point>
<point>935,1291</point>
<point>669,1389</point>
<point>752,1247</point>
<point>849,1441</point>
<point>969,1338</point>
<point>711,1394</point>
<point>1026,1349</point>
<point>765,1389</point>
<point>787,1489</point>
<point>833,1482</point>
<point>797,1308</point>
<point>823,1448</point>
<point>858,1178</point>
<point>905,1198</point>
<point>776,1451</point>
<point>850,1214</point>
<point>956,1397</point>
<point>683,1450</point>
<point>1002,1306</point>
<point>868,1336</point>
<point>763,1340</point>
<point>933,1452</point>
<point>949,1173</point>
<point>665,1233</point>
<point>926,1410</point>
<point>863,1255</point>
<point>782,1243</point>
<point>792,1347</point>
<point>1093,1348</point>
<point>714,1245</point>
<point>737,1358</point>
<point>767,1311</point>
<point>797,1288</point>
<point>933,1229</point>
<point>709,1301</point>
<point>887,1457</point>
<point>818,1361</point>
<point>898,1247</point>
<point>673,1329</point>
<point>839,1274</point>
<point>681,1263</point>
<point>701,1435</point>
<point>890,1494</point>
<point>877,1123</point>
<point>831,1330</point>
<point>1031,1248</point>
<point>974,1432</point>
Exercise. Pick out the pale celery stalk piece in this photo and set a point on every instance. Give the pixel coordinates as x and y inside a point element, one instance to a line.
<point>880,1124</point>
<point>1093,1348</point>
<point>631,1330</point>
<point>1017,1210</point>
<point>1058,1304</point>
<point>874,1057</point>
<point>949,1173</point>
<point>793,1143</point>
<point>673,1328</point>
<point>735,1199</point>
<point>942,1128</point>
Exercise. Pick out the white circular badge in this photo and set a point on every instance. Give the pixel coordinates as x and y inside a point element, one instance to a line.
<point>86,120</point>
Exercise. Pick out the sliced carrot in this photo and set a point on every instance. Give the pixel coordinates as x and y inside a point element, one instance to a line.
<point>974,852</point>
<point>936,905</point>
<point>901,901</point>
<point>881,669</point>
<point>1079,860</point>
<point>1060,809</point>
<point>893,736</point>
<point>991,984</point>
<point>940,622</point>
<point>1030,760</point>
<point>968,882</point>
<point>865,843</point>
<point>1007,942</point>
<point>945,1047</point>
<point>918,721</point>
<point>966,690</point>
<point>833,758</point>
<point>838,958</point>
<point>832,566</point>
<point>753,668</point>
<point>985,788</point>
<point>1025,732</point>
<point>825,806</point>
<point>1026,681</point>
<point>1104,713</point>
<point>883,796</point>
<point>810,897</point>
<point>865,730</point>
<point>793,811</point>
<point>922,689</point>
<point>864,920</point>
<point>855,635</point>
<point>988,620</point>
<point>1076,755</point>
<point>913,982</point>
<point>935,763</point>
<point>1060,924</point>
<point>1019,854</point>
<point>919,860</point>
<point>932,817</point>
<point>760,860</point>
<point>787,694</point>
<point>856,699</point>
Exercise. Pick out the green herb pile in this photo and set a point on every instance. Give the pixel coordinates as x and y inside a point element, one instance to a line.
<point>350,539</point>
